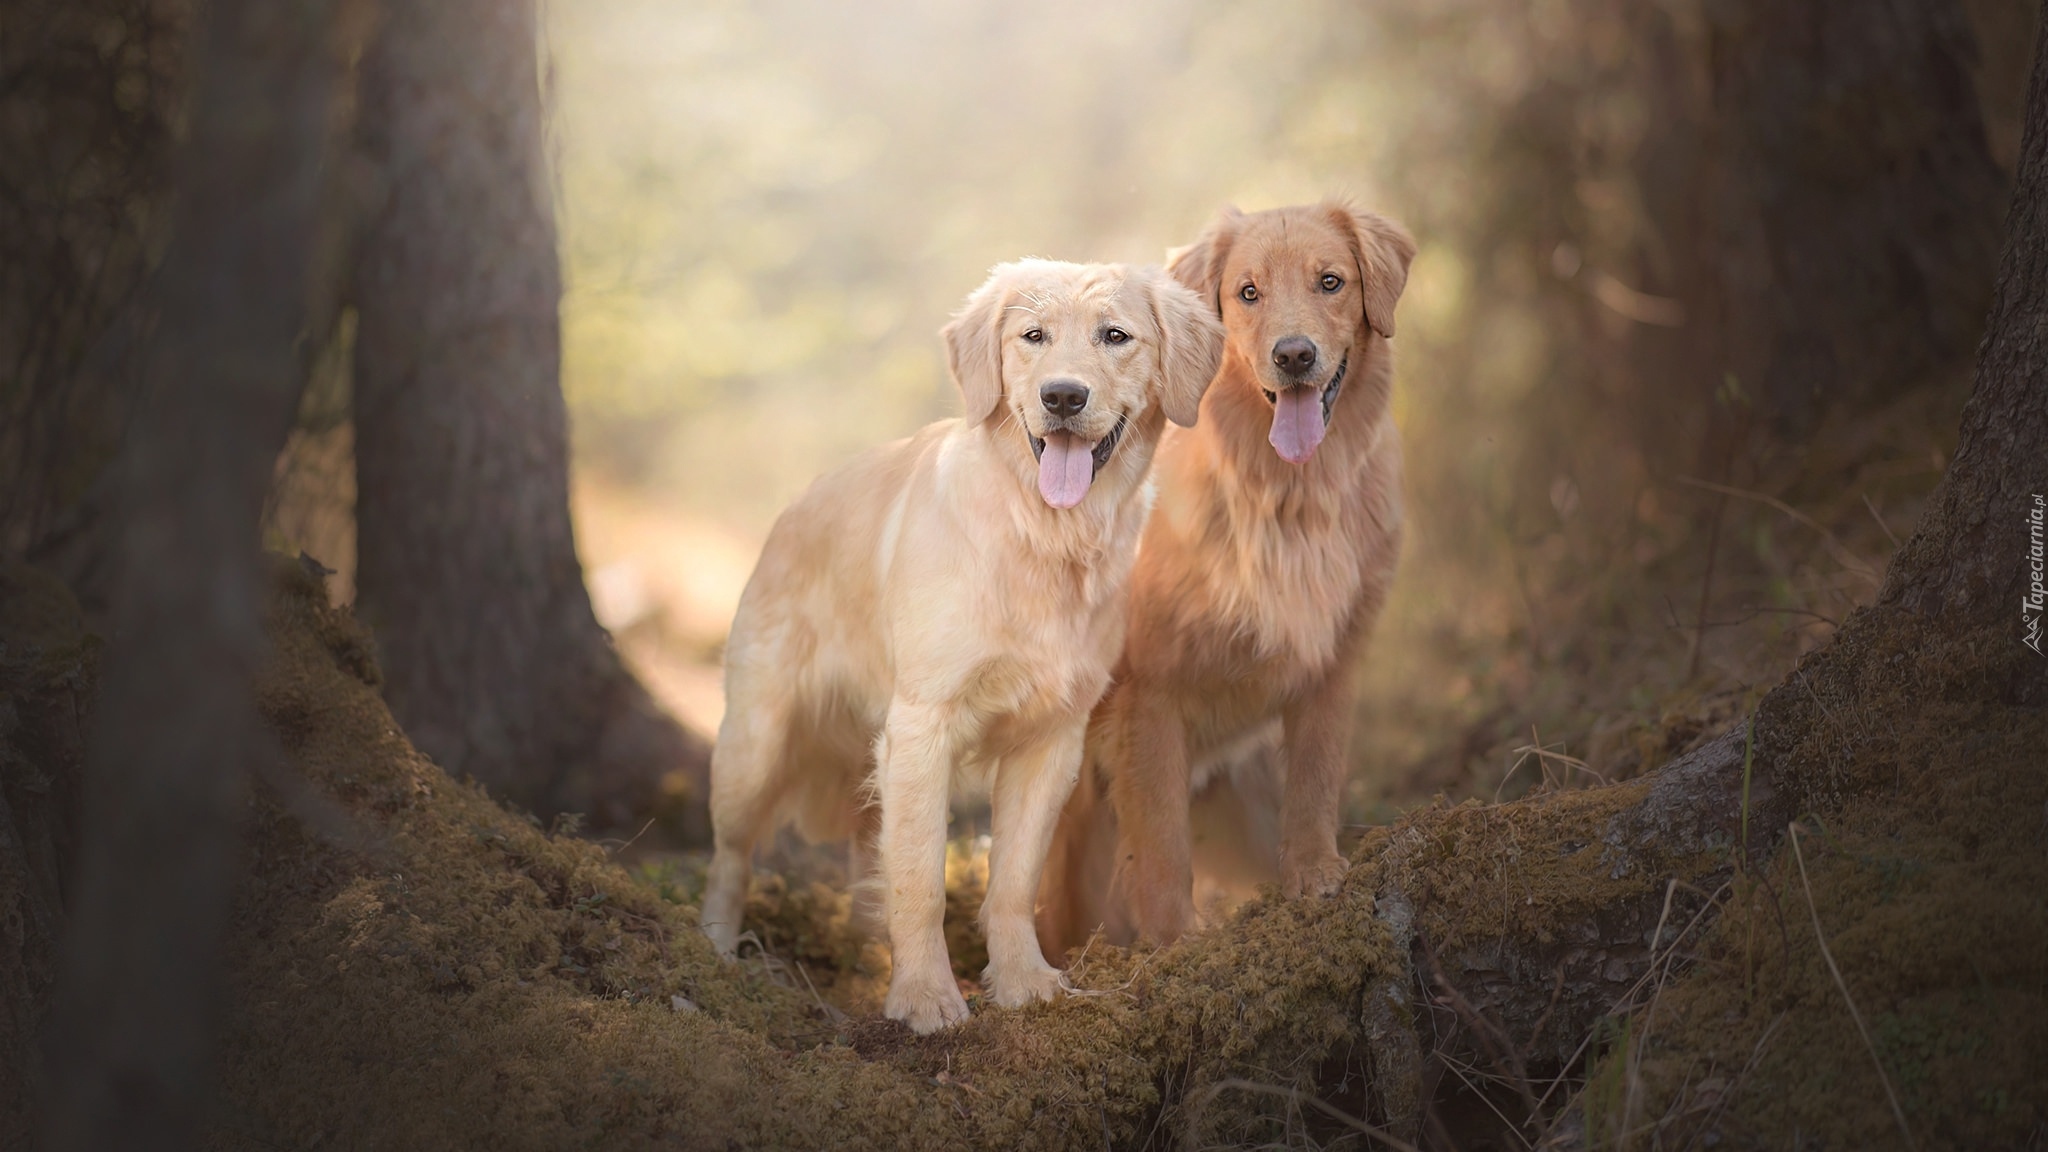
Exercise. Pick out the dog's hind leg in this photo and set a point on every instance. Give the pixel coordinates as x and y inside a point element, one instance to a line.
<point>1073,891</point>
<point>747,777</point>
<point>862,880</point>
<point>1030,790</point>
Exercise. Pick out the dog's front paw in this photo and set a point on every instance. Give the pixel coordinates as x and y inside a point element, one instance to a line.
<point>1317,877</point>
<point>926,1003</point>
<point>1023,986</point>
<point>724,937</point>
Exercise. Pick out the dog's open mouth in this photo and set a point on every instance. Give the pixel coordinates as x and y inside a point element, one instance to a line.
<point>1067,464</point>
<point>1301,416</point>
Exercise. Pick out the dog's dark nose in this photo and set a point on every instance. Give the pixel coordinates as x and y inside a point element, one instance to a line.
<point>1295,355</point>
<point>1065,397</point>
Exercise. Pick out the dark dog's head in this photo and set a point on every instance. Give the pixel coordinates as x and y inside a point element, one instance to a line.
<point>1077,355</point>
<point>1300,290</point>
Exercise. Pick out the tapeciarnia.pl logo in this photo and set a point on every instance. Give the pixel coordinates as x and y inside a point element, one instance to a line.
<point>2036,598</point>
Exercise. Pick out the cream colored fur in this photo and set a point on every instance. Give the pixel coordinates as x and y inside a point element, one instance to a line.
<point>922,615</point>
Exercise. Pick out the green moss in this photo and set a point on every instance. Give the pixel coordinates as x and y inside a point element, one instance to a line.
<point>488,985</point>
<point>1926,793</point>
<point>417,967</point>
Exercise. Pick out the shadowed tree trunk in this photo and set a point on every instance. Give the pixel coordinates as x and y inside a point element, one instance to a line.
<point>88,103</point>
<point>1860,194</point>
<point>1976,559</point>
<point>1822,197</point>
<point>467,568</point>
<point>177,733</point>
<point>1969,570</point>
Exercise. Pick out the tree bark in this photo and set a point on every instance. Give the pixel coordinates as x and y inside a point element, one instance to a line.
<point>467,567</point>
<point>1857,226</point>
<point>1976,556</point>
<point>177,732</point>
<point>48,681</point>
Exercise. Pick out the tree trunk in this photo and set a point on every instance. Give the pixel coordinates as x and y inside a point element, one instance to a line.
<point>467,567</point>
<point>1858,200</point>
<point>1976,560</point>
<point>88,106</point>
<point>177,732</point>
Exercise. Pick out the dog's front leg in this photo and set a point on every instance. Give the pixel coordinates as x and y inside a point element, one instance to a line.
<point>1317,730</point>
<point>915,766</point>
<point>1031,788</point>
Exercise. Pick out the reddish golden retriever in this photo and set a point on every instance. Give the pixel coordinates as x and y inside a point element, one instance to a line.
<point>1262,569</point>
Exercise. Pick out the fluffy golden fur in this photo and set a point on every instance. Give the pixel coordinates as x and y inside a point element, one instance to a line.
<point>925,613</point>
<point>1257,580</point>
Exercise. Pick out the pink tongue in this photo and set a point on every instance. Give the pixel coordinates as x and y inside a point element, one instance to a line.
<point>1065,469</point>
<point>1297,424</point>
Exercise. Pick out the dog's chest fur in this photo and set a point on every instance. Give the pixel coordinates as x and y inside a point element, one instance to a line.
<point>1288,570</point>
<point>1056,633</point>
<point>1276,564</point>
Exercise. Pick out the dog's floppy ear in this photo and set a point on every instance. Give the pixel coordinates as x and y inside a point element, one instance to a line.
<point>1383,250</point>
<point>1200,265</point>
<point>974,346</point>
<point>1190,348</point>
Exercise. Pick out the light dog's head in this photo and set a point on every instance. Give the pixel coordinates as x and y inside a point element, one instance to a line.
<point>1301,291</point>
<point>1077,362</point>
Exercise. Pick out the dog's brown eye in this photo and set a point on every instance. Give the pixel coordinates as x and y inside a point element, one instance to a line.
<point>1115,336</point>
<point>1248,294</point>
<point>1035,335</point>
<point>1332,281</point>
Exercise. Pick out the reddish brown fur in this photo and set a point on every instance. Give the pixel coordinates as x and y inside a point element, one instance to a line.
<point>1256,584</point>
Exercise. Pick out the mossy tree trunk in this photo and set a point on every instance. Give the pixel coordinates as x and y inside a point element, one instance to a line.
<point>177,733</point>
<point>467,568</point>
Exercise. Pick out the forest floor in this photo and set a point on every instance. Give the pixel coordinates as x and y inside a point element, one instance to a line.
<point>489,984</point>
<point>416,966</point>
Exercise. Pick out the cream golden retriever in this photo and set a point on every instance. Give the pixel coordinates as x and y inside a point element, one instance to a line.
<point>950,606</point>
<point>1258,578</point>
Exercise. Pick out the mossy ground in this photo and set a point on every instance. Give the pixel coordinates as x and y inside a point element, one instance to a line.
<point>433,971</point>
<point>485,983</point>
<point>1921,764</point>
<point>415,966</point>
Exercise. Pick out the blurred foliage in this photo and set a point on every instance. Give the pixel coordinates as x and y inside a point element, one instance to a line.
<point>769,209</point>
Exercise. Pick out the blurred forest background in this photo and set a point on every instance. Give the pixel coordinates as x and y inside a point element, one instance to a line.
<point>1698,291</point>
<point>1681,354</point>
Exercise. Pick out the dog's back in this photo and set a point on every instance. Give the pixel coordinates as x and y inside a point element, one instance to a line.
<point>808,682</point>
